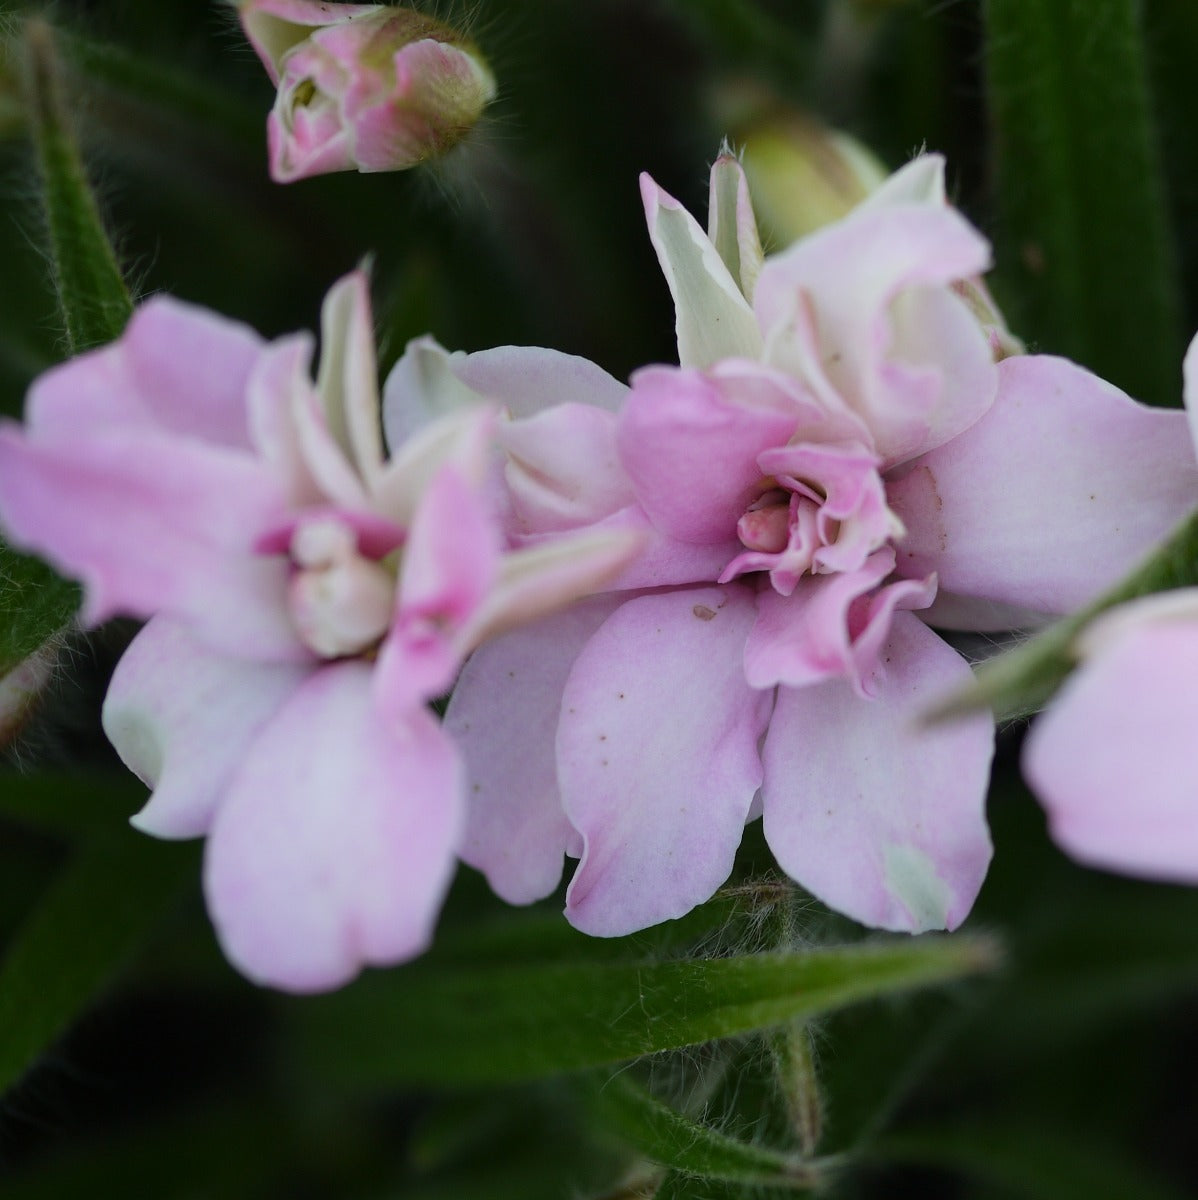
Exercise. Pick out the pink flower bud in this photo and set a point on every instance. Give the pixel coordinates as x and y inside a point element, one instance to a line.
<point>365,87</point>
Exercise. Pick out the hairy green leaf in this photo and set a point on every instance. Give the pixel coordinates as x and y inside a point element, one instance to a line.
<point>623,1107</point>
<point>432,1023</point>
<point>92,297</point>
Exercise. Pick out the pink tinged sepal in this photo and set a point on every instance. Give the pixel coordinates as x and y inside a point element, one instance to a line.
<point>335,843</point>
<point>919,182</point>
<point>348,379</point>
<point>439,92</point>
<point>892,338</point>
<point>1053,495</point>
<point>503,715</point>
<point>657,756</point>
<point>714,320</point>
<point>539,579</point>
<point>1112,759</point>
<point>831,627</point>
<point>882,818</point>
<point>690,440</point>
<point>731,224</point>
<point>182,717</point>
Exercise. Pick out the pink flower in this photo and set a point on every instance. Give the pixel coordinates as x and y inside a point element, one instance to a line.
<point>365,87</point>
<point>306,597</point>
<point>1112,759</point>
<point>837,464</point>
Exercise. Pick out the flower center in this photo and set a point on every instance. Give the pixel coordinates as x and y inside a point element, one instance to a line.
<point>341,602</point>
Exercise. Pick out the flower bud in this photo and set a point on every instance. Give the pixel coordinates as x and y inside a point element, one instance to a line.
<point>365,87</point>
<point>802,175</point>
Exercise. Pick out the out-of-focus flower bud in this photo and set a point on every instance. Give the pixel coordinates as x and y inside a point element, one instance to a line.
<point>802,175</point>
<point>365,87</point>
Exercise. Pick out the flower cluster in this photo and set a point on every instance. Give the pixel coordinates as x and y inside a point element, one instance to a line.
<point>837,465</point>
<point>669,608</point>
<point>306,595</point>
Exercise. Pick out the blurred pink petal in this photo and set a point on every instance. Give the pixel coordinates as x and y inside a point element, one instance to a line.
<point>1112,758</point>
<point>182,718</point>
<point>504,713</point>
<point>334,845</point>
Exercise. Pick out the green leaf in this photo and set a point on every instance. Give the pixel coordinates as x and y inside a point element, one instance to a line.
<point>1034,1163</point>
<point>623,1107</point>
<point>35,604</point>
<point>95,914</point>
<point>1022,681</point>
<point>92,297</point>
<point>1083,234</point>
<point>448,1024</point>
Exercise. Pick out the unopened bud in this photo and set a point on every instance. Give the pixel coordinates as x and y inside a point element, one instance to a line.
<point>365,87</point>
<point>802,175</point>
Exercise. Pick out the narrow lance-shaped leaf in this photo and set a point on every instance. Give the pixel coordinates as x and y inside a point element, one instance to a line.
<point>92,297</point>
<point>93,916</point>
<point>430,1023</point>
<point>1024,680</point>
<point>1083,232</point>
<point>621,1106</point>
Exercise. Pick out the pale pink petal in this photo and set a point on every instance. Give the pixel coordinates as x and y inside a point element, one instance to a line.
<point>335,842</point>
<point>503,715</point>
<point>527,380</point>
<point>152,522</point>
<point>830,627</point>
<point>895,343</point>
<point>563,469</point>
<point>690,441</point>
<point>275,26</point>
<point>310,141</point>
<point>182,717</point>
<point>450,563</point>
<point>714,320</point>
<point>879,816</point>
<point>422,388</point>
<point>1054,494</point>
<point>657,756</point>
<point>1112,760</point>
<point>177,368</point>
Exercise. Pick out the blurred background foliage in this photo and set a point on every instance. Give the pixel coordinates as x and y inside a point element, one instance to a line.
<point>760,1047</point>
